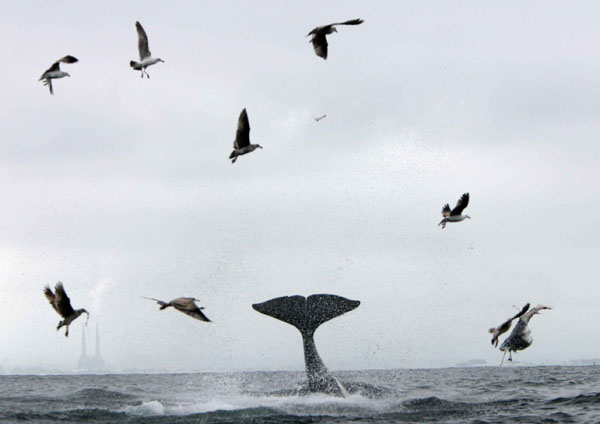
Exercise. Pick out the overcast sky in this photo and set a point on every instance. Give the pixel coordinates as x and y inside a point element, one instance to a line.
<point>120,186</point>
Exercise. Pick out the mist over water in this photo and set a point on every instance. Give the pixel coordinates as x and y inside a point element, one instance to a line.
<point>448,395</point>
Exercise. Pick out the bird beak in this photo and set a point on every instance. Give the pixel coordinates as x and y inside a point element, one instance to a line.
<point>162,60</point>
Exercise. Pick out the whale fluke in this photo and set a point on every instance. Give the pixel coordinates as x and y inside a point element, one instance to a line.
<point>307,314</point>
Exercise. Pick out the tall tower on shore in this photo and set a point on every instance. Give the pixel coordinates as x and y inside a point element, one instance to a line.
<point>83,346</point>
<point>90,364</point>
<point>97,355</point>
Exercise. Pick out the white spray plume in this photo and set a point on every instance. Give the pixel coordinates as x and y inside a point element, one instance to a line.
<point>98,292</point>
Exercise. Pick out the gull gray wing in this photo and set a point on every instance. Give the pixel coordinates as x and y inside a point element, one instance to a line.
<point>319,42</point>
<point>320,30</point>
<point>462,203</point>
<point>160,302</point>
<point>143,47</point>
<point>349,22</point>
<point>242,135</point>
<point>56,66</point>
<point>63,303</point>
<point>189,307</point>
<point>534,311</point>
<point>525,309</point>
<point>68,59</point>
<point>51,298</point>
<point>446,210</point>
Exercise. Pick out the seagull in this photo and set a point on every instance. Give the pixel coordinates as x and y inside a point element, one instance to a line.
<point>319,118</point>
<point>62,305</point>
<point>520,338</point>
<point>54,71</point>
<point>242,145</point>
<point>146,58</point>
<point>505,326</point>
<point>455,215</point>
<point>319,41</point>
<point>185,305</point>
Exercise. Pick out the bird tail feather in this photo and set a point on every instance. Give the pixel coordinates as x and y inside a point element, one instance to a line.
<point>135,65</point>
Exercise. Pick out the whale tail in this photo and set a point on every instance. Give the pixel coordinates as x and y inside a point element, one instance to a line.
<point>306,313</point>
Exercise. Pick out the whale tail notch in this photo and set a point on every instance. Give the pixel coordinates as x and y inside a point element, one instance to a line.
<point>306,313</point>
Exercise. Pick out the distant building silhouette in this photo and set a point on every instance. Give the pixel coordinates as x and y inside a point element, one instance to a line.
<point>90,363</point>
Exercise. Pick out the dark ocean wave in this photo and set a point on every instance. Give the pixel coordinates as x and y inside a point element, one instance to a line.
<point>592,399</point>
<point>405,396</point>
<point>101,395</point>
<point>429,409</point>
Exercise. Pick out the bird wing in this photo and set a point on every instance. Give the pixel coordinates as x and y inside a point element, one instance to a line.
<point>189,307</point>
<point>68,59</point>
<point>63,303</point>
<point>462,203</point>
<point>446,210</point>
<point>160,302</point>
<point>498,331</point>
<point>536,310</point>
<point>142,42</point>
<point>56,65</point>
<point>242,135</point>
<point>319,42</point>
<point>525,309</point>
<point>50,296</point>
<point>319,29</point>
<point>350,22</point>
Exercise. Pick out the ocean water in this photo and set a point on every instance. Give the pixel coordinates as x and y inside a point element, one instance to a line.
<point>449,395</point>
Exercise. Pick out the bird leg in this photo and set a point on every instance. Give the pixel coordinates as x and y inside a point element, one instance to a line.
<point>510,356</point>
<point>147,74</point>
<point>502,361</point>
<point>142,73</point>
<point>67,331</point>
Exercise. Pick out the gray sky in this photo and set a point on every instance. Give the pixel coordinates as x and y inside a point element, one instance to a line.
<point>121,187</point>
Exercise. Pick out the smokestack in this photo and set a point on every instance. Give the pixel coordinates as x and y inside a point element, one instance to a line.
<point>97,355</point>
<point>83,345</point>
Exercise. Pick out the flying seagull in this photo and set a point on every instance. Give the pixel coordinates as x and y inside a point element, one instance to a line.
<point>54,71</point>
<point>319,40</point>
<point>505,326</point>
<point>146,58</point>
<point>520,338</point>
<point>455,215</point>
<point>242,145</point>
<point>183,304</point>
<point>320,117</point>
<point>62,305</point>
